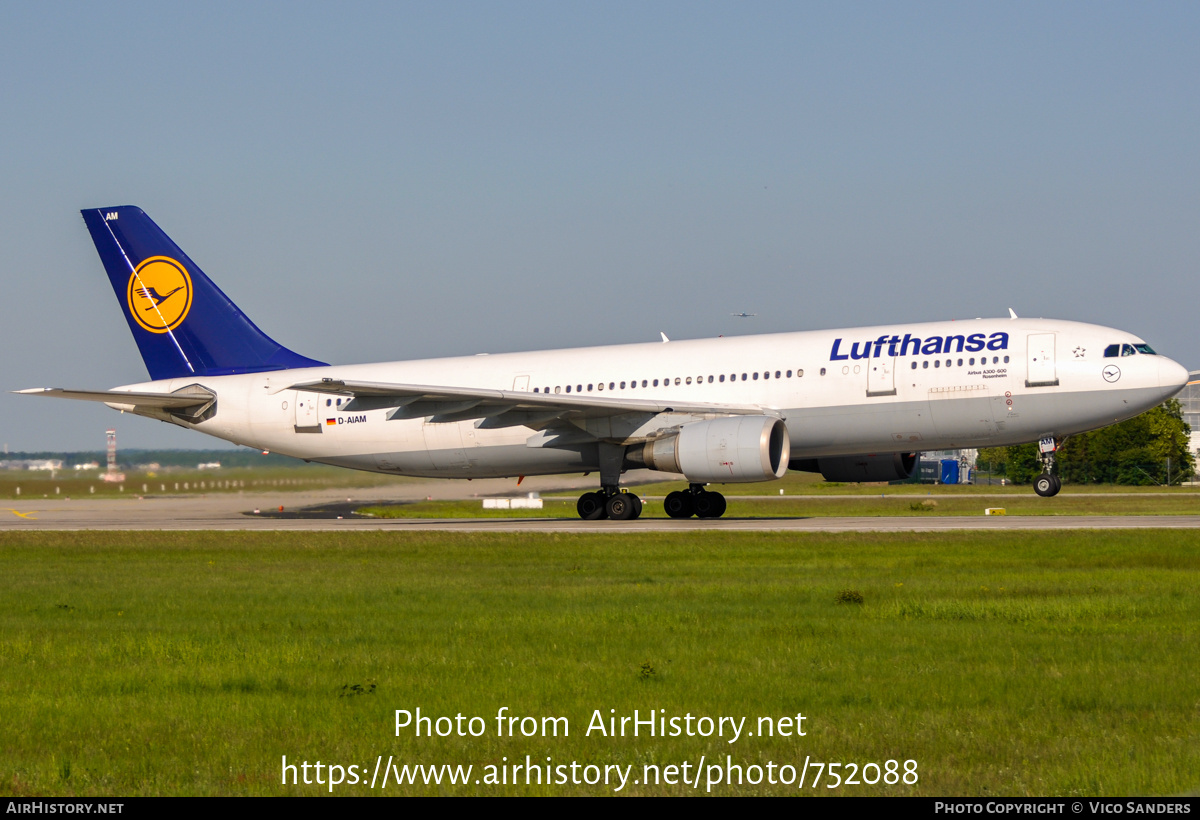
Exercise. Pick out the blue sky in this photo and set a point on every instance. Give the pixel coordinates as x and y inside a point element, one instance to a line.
<point>389,181</point>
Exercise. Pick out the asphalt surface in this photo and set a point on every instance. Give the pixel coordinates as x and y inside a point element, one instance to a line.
<point>333,510</point>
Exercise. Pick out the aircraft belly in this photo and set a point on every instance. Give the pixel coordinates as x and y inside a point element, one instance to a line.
<point>960,422</point>
<point>886,426</point>
<point>496,461</point>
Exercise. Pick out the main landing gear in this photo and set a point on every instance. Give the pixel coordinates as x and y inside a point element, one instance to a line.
<point>609,502</point>
<point>695,500</point>
<point>1047,484</point>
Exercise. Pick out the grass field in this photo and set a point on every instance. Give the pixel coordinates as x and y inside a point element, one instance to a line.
<point>1004,664</point>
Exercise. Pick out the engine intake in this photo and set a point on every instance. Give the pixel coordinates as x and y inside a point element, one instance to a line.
<point>736,449</point>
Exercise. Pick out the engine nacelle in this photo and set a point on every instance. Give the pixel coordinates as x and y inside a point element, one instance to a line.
<point>728,450</point>
<point>882,467</point>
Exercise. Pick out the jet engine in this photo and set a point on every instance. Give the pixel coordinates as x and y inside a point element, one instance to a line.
<point>882,467</point>
<point>727,450</point>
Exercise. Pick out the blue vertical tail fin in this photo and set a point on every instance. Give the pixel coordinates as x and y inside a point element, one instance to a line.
<point>183,324</point>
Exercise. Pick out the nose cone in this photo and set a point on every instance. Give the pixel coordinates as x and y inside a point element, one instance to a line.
<point>1172,376</point>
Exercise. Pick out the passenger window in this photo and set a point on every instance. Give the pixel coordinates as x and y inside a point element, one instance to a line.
<point>799,374</point>
<point>568,388</point>
<point>924,365</point>
<point>972,361</point>
<point>1127,350</point>
<point>777,374</point>
<point>937,362</point>
<point>622,385</point>
<point>328,402</point>
<point>995,360</point>
<point>1112,351</point>
<point>600,386</point>
<point>914,365</point>
<point>822,371</point>
<point>557,388</point>
<point>743,377</point>
<point>535,390</point>
<point>722,377</point>
<point>756,375</point>
<point>590,386</point>
<point>789,374</point>
<point>656,382</point>
<point>339,402</point>
<point>960,361</point>
<point>710,379</point>
<point>1006,360</point>
<point>689,380</point>
<point>677,381</point>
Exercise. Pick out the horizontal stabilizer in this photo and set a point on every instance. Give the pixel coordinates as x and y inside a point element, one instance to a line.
<point>165,401</point>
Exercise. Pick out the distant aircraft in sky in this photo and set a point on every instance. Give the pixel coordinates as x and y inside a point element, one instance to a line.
<point>743,315</point>
<point>854,405</point>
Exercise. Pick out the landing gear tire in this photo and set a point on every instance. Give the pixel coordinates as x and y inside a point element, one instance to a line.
<point>591,506</point>
<point>637,507</point>
<point>679,505</point>
<point>1047,485</point>
<point>622,506</point>
<point>709,504</point>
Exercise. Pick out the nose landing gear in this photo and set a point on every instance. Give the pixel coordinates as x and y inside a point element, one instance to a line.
<point>1047,484</point>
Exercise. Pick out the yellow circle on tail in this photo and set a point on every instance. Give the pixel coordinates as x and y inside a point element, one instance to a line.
<point>159,294</point>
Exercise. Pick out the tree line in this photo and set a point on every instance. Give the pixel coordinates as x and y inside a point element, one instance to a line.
<point>1150,449</point>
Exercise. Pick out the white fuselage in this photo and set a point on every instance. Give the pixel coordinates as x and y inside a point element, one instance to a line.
<point>840,392</point>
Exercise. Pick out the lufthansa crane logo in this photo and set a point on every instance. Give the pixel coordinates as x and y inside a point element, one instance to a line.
<point>159,294</point>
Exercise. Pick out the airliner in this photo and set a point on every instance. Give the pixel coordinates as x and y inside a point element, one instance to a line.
<point>853,404</point>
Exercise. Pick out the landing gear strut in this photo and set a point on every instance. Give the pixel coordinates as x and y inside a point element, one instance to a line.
<point>609,501</point>
<point>1047,484</point>
<point>695,500</point>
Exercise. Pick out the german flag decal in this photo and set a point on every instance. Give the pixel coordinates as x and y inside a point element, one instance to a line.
<point>330,422</point>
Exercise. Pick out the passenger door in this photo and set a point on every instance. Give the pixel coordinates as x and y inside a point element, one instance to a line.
<point>307,419</point>
<point>1039,358</point>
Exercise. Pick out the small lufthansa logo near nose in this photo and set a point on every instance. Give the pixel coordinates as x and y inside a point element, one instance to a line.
<point>1111,373</point>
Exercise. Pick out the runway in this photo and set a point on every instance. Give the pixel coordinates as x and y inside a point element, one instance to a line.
<point>319,511</point>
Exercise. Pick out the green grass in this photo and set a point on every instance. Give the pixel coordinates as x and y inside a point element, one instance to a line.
<point>798,483</point>
<point>1003,663</point>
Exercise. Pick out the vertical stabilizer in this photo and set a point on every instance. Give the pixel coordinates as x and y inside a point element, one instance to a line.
<point>183,324</point>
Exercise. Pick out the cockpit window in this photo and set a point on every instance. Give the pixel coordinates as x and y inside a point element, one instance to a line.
<point>1112,351</point>
<point>1127,350</point>
<point>1144,348</point>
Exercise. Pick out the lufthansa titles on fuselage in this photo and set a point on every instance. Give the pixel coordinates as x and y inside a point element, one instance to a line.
<point>915,345</point>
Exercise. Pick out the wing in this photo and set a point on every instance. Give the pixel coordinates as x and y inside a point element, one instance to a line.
<point>508,408</point>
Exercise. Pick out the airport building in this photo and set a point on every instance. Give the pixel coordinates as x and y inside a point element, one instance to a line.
<point>1189,400</point>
